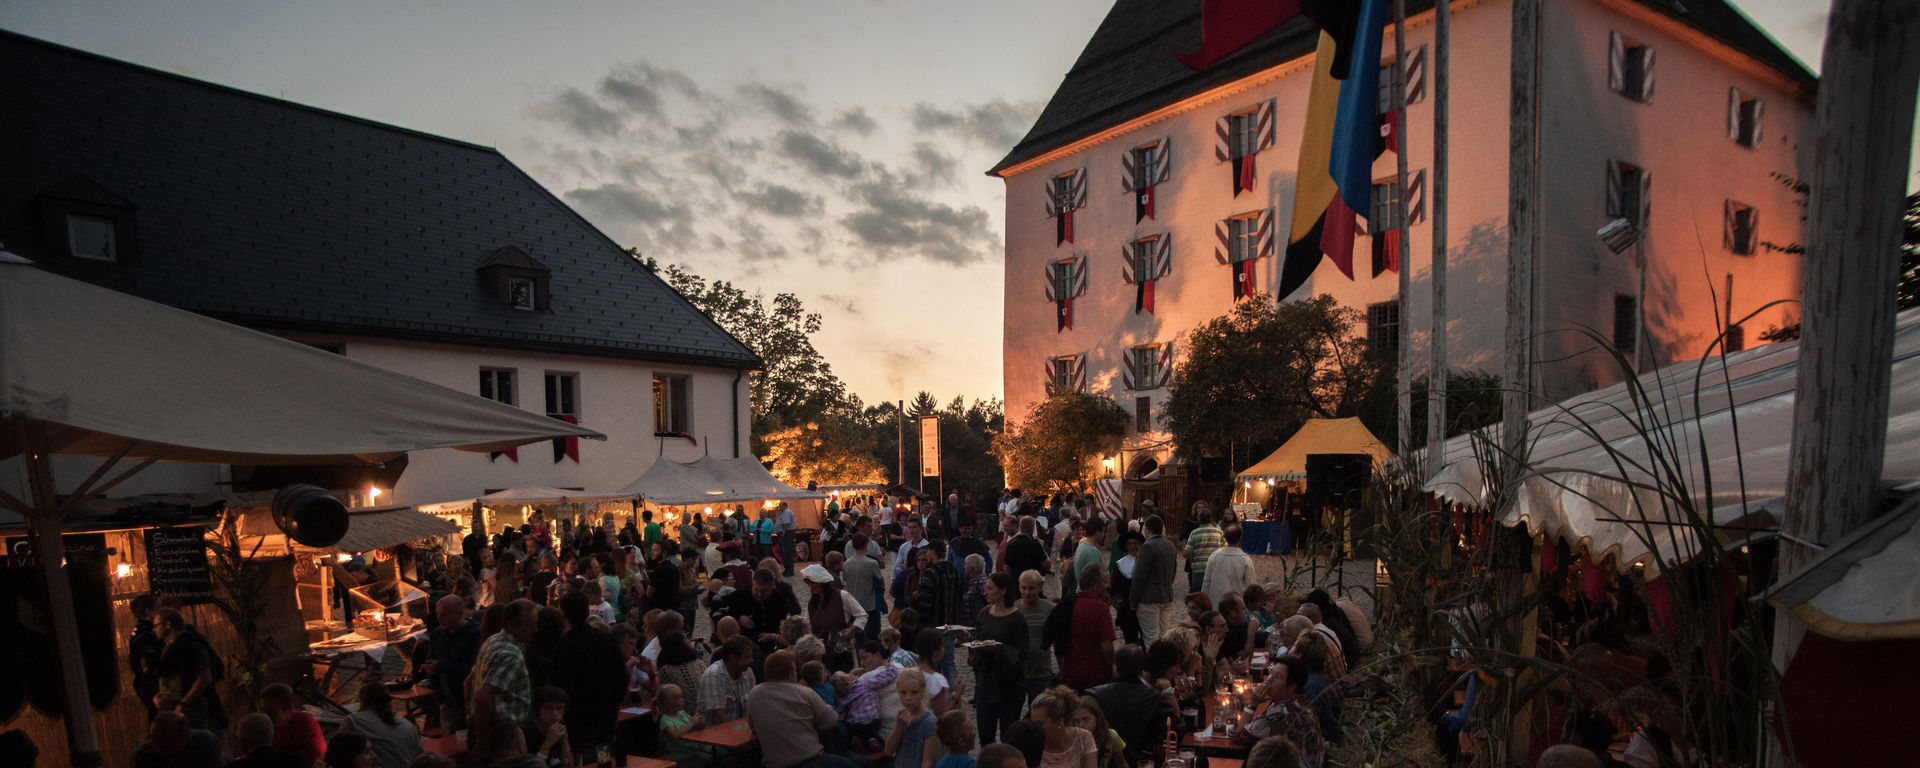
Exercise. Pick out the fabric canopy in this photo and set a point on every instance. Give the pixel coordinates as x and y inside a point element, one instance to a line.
<point>531,494</point>
<point>708,480</point>
<point>1866,586</point>
<point>378,527</point>
<point>104,371</point>
<point>1346,435</point>
<point>1723,427</point>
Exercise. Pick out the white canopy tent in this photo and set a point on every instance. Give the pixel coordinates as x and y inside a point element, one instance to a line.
<point>1723,427</point>
<point>1866,586</point>
<point>89,371</point>
<point>708,480</point>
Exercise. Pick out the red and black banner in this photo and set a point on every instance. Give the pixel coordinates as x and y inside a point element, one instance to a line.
<point>1063,314</point>
<point>1142,204</point>
<point>566,447</point>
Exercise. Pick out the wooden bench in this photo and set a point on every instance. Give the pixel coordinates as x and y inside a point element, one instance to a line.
<point>648,762</point>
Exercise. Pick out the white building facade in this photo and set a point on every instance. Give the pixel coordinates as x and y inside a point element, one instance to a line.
<point>1697,131</point>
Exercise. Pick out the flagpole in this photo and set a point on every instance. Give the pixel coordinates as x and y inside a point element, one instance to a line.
<point>1437,365</point>
<point>1405,362</point>
<point>1522,209</point>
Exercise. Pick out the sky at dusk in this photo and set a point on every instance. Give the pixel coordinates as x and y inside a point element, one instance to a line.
<point>831,149</point>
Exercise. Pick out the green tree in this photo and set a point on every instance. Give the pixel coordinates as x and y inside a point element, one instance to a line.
<point>831,453</point>
<point>1251,377</point>
<point>1054,447</point>
<point>798,386</point>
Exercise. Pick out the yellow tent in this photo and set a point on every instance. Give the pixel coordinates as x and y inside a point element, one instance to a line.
<point>1318,436</point>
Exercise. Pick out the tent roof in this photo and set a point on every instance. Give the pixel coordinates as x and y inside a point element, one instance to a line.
<point>376,527</point>
<point>172,385</point>
<point>708,480</point>
<point>1347,435</point>
<point>1592,475</point>
<point>1865,587</point>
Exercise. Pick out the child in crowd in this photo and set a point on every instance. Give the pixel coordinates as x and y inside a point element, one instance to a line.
<point>597,605</point>
<point>842,685</point>
<point>1088,716</point>
<point>912,744</point>
<point>1260,605</point>
<point>957,734</point>
<point>896,655</point>
<point>814,675</point>
<point>675,723</point>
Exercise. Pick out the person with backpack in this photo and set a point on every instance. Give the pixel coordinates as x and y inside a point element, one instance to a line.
<point>188,673</point>
<point>1080,632</point>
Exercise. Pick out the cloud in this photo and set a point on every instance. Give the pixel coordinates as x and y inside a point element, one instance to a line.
<point>643,88</point>
<point>895,222</point>
<point>781,200</point>
<point>628,204</point>
<point>995,124</point>
<point>846,304</point>
<point>821,156</point>
<point>778,101</point>
<point>855,120</point>
<point>933,166</point>
<point>581,113</point>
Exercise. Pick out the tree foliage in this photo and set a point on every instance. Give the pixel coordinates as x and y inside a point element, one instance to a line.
<point>1254,375</point>
<point>1054,447</point>
<point>835,452</point>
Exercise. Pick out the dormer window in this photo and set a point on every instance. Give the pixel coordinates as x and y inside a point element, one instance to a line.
<point>82,220</point>
<point>520,293</point>
<point>90,237</point>
<point>514,279</point>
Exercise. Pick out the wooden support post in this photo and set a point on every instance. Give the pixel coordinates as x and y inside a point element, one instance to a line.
<point>1404,362</point>
<point>83,741</point>
<point>1522,208</point>
<point>1437,363</point>
<point>1862,139</point>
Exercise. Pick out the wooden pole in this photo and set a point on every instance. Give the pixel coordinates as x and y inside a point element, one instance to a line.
<point>1437,364</point>
<point>1404,363</point>
<point>83,742</point>
<point>1863,129</point>
<point>1522,159</point>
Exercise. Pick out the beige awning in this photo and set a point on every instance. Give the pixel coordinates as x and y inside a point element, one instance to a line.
<point>378,527</point>
<point>1289,461</point>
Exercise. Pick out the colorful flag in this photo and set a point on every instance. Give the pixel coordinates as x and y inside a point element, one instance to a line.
<point>1343,135</point>
<point>567,447</point>
<point>1314,191</point>
<point>1142,204</point>
<point>1229,25</point>
<point>1063,314</point>
<point>1356,124</point>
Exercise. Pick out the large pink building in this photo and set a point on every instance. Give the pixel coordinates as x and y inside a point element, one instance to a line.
<point>1685,117</point>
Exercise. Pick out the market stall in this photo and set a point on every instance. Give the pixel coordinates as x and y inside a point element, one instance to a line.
<point>515,506</point>
<point>1281,476</point>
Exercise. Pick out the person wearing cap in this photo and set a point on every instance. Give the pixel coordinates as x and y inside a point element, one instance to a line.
<point>835,616</point>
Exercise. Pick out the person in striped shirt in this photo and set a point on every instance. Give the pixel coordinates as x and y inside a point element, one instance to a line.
<point>1200,546</point>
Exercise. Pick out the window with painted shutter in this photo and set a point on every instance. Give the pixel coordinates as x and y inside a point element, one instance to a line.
<point>1628,186</point>
<point>1629,67</point>
<point>1739,228</point>
<point>1743,118</point>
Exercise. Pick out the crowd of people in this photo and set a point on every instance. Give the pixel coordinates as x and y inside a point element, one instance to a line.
<point>542,634</point>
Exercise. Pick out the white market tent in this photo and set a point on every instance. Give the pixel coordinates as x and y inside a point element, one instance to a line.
<point>708,480</point>
<point>89,371</point>
<point>1725,428</point>
<point>1866,586</point>
<point>1289,461</point>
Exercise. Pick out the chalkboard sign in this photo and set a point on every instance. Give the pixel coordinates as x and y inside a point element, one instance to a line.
<point>177,564</point>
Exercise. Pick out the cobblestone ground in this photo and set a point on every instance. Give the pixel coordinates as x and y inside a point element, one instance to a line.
<point>1294,573</point>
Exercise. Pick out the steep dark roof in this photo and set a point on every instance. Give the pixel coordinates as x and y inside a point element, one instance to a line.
<point>278,215</point>
<point>1128,68</point>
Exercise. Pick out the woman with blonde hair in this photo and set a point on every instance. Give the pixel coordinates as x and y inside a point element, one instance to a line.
<point>1067,746</point>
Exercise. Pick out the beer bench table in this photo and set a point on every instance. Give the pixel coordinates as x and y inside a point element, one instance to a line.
<point>733,734</point>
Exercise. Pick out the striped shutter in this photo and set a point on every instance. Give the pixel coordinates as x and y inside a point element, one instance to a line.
<point>1733,114</point>
<point>1263,239</point>
<point>1726,226</point>
<point>1264,126</point>
<point>1416,74</point>
<point>1221,250</point>
<point>1646,197</point>
<point>1126,264</point>
<point>1127,171</point>
<point>1080,274</point>
<point>1163,261</point>
<point>1166,160</point>
<point>1759,111</point>
<point>1051,385</point>
<point>1080,188</point>
<point>1078,380</point>
<point>1052,273</point>
<point>1053,198</point>
<point>1616,63</point>
<point>1416,202</point>
<point>1223,139</point>
<point>1129,358</point>
<point>1166,364</point>
<point>1613,189</point>
<point>1646,73</point>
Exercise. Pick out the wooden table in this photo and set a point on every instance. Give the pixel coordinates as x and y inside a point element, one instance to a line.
<point>629,713</point>
<point>1223,762</point>
<point>449,745</point>
<point>654,762</point>
<point>734,734</point>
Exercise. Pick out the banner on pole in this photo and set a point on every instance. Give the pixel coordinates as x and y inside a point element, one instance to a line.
<point>930,446</point>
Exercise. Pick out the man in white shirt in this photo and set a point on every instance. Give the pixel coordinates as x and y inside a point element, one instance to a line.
<point>1236,567</point>
<point>916,538</point>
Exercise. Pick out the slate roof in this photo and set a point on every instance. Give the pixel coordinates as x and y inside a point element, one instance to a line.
<point>281,216</point>
<point>1128,68</point>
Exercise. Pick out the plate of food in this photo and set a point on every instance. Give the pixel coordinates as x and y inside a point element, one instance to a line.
<point>983,644</point>
<point>954,628</point>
